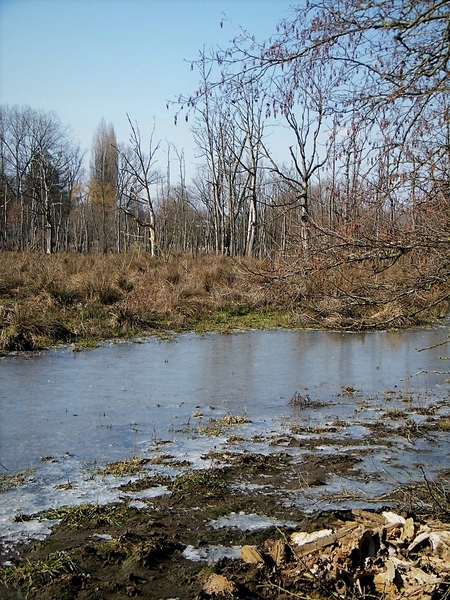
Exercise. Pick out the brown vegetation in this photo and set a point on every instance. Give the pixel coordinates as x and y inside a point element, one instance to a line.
<point>48,299</point>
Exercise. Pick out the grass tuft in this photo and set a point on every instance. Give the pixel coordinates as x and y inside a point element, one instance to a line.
<point>75,517</point>
<point>32,575</point>
<point>16,479</point>
<point>206,481</point>
<point>122,468</point>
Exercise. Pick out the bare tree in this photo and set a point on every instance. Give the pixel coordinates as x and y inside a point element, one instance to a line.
<point>228,132</point>
<point>249,104</point>
<point>40,167</point>
<point>138,176</point>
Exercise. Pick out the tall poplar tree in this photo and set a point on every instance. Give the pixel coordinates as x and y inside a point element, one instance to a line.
<point>103,184</point>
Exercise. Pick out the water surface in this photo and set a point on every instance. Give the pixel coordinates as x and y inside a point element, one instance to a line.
<point>64,413</point>
<point>103,403</point>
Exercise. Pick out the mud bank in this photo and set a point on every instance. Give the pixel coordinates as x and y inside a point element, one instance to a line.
<point>178,528</point>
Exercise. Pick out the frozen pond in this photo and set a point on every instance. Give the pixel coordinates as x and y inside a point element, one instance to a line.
<point>74,409</point>
<point>104,403</point>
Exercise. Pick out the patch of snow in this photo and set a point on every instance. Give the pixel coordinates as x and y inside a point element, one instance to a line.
<point>149,493</point>
<point>211,553</point>
<point>101,536</point>
<point>248,487</point>
<point>138,505</point>
<point>249,522</point>
<point>21,532</point>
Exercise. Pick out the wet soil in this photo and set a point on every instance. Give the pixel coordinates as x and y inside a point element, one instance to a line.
<point>158,547</point>
<point>127,552</point>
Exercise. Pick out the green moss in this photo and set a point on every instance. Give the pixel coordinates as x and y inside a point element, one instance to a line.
<point>214,427</point>
<point>242,318</point>
<point>202,480</point>
<point>86,344</point>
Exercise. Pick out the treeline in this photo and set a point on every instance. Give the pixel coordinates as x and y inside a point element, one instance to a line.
<point>356,98</point>
<point>48,203</point>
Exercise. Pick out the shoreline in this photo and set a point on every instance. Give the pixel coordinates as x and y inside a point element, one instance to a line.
<point>46,300</point>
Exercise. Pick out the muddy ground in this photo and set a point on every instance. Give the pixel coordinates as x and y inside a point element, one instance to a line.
<point>178,532</point>
<point>121,551</point>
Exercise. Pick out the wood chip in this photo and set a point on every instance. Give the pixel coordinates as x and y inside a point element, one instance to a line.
<point>384,580</point>
<point>250,554</point>
<point>393,518</point>
<point>408,531</point>
<point>419,539</point>
<point>218,584</point>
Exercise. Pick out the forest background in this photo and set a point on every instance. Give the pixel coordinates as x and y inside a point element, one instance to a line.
<point>349,229</point>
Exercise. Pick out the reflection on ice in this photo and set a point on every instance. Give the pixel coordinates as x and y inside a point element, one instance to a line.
<point>66,414</point>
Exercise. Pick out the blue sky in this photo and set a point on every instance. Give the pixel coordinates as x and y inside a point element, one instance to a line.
<point>93,59</point>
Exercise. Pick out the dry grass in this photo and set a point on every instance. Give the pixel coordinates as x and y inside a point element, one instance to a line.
<point>48,299</point>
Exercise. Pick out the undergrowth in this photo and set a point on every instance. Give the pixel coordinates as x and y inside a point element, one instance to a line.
<point>61,298</point>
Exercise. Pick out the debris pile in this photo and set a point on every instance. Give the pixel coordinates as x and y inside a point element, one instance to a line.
<point>382,555</point>
<point>385,555</point>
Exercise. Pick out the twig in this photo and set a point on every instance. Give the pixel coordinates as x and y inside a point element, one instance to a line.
<point>433,494</point>
<point>278,587</point>
<point>426,372</point>
<point>433,346</point>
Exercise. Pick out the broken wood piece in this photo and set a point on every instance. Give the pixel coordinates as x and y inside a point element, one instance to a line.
<point>280,552</point>
<point>218,584</point>
<point>366,515</point>
<point>393,518</point>
<point>424,578</point>
<point>408,531</point>
<point>419,539</point>
<point>403,565</point>
<point>384,580</point>
<point>250,554</point>
<point>322,541</point>
<point>302,537</point>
